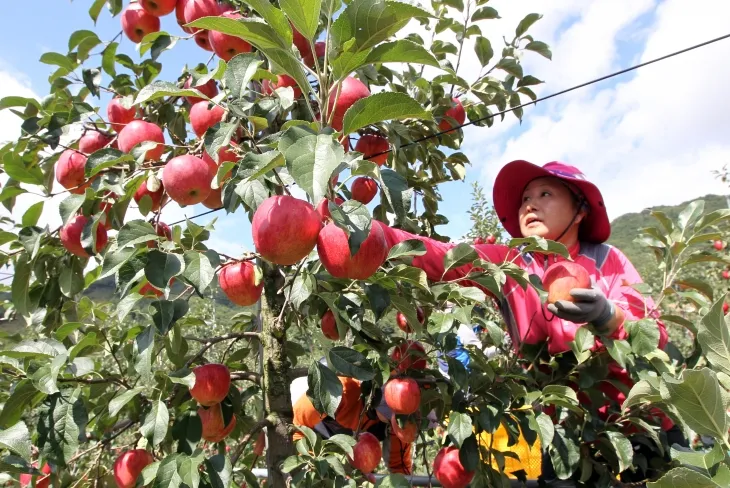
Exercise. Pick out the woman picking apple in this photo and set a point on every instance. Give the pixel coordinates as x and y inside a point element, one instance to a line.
<point>594,290</point>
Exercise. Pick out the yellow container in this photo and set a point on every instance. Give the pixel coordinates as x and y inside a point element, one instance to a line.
<point>530,457</point>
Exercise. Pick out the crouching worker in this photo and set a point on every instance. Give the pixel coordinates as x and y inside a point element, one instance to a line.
<point>397,455</point>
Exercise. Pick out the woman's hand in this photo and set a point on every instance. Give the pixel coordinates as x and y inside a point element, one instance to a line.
<point>590,306</point>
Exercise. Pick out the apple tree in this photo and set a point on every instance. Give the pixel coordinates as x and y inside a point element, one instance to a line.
<point>306,113</point>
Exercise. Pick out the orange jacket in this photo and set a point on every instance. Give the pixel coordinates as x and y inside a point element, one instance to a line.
<point>348,416</point>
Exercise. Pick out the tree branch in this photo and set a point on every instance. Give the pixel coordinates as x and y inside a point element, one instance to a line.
<point>122,426</point>
<point>208,343</point>
<point>247,438</point>
<point>246,376</point>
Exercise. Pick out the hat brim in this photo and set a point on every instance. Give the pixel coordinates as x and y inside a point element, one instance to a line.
<point>507,196</point>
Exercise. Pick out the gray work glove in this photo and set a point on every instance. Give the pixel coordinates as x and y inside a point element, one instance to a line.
<point>590,306</point>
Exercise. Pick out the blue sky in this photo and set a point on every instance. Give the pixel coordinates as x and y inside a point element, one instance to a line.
<point>651,137</point>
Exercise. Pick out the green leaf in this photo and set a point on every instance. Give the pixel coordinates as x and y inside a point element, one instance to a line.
<point>582,344</point>
<point>469,453</point>
<point>220,471</point>
<point>370,22</point>
<point>105,158</point>
<point>241,69</point>
<point>484,50</point>
<point>302,288</point>
<point>304,14</point>
<point>540,48</point>
<point>713,336</point>
<point>159,89</point>
<point>135,232</point>
<point>624,449</point>
<point>108,59</point>
<point>71,281</point>
<point>69,206</point>
<point>167,475</point>
<point>353,218</point>
<point>458,256</point>
<point>31,216</point>
<point>198,270</point>
<point>703,459</point>
<point>57,59</point>
<point>410,247</point>
<point>382,106</point>
<point>21,285</point>
<point>543,425</point>
<point>397,193</point>
<point>161,267</point>
<point>45,377</point>
<point>698,400</point>
<point>511,66</point>
<point>23,397</point>
<point>217,137</point>
<point>167,313</point>
<point>311,161</point>
<point>564,453</point>
<point>155,423</point>
<point>393,481</point>
<point>16,439</point>
<point>690,214</point>
<point>618,350</point>
<point>117,403</point>
<point>92,80</point>
<point>526,23</point>
<point>344,442</point>
<point>17,170</point>
<point>683,478</point>
<point>143,346</point>
<point>264,163</point>
<point>348,362</point>
<point>485,13</point>
<point>30,238</point>
<point>113,261</point>
<point>460,427</point>
<point>63,426</point>
<point>325,389</point>
<point>642,392</point>
<point>401,51</point>
<point>643,336</point>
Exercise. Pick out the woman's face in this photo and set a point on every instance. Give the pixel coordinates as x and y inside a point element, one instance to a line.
<point>547,208</point>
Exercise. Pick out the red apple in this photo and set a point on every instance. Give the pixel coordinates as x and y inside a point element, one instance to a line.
<point>562,277</point>
<point>180,16</point>
<point>329,326</point>
<point>725,308</point>
<point>402,395</point>
<point>139,131</point>
<point>129,466</point>
<point>226,46</point>
<point>334,252</point>
<point>240,283</point>
<point>479,241</point>
<point>364,189</point>
<point>719,245</point>
<point>402,321</point>
<point>203,118</point>
<point>119,116</point>
<point>448,469</point>
<point>409,354</point>
<point>269,87</point>
<point>407,433</point>
<point>209,89</point>
<point>71,236</point>
<point>92,141</point>
<point>195,9</point>
<point>456,112</point>
<point>366,453</point>
<point>40,481</point>
<point>187,179</point>
<point>726,274</point>
<point>158,8</point>
<point>352,90</point>
<point>323,208</point>
<point>370,144</point>
<point>157,197</point>
<point>212,382</point>
<point>319,49</point>
<point>284,215</point>
<point>491,239</point>
<point>260,444</point>
<point>214,429</point>
<point>214,199</point>
<point>202,40</point>
<point>300,41</point>
<point>137,23</point>
<point>71,171</point>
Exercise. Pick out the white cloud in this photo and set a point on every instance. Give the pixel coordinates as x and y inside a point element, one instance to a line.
<point>655,137</point>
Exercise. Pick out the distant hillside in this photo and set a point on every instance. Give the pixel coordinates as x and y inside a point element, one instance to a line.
<point>624,230</point>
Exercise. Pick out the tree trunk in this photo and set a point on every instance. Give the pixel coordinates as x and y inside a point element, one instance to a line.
<point>277,396</point>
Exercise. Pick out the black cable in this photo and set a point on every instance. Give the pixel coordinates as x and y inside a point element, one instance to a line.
<point>527,104</point>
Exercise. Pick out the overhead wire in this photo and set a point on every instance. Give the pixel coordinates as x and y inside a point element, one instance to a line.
<point>526,104</point>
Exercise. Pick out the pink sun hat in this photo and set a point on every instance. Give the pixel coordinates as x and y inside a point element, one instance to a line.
<point>514,177</point>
